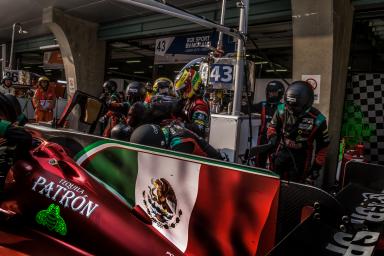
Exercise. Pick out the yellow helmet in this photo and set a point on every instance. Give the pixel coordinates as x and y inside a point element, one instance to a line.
<point>189,83</point>
<point>162,84</point>
<point>43,78</point>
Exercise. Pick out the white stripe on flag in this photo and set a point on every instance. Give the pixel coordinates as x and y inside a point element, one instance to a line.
<point>183,177</point>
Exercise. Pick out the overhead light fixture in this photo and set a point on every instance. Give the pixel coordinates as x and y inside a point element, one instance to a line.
<point>150,66</point>
<point>47,47</point>
<point>133,61</point>
<point>20,31</point>
<point>27,67</point>
<point>139,72</point>
<point>113,68</point>
<point>47,70</point>
<point>62,81</point>
<point>41,66</point>
<point>261,62</point>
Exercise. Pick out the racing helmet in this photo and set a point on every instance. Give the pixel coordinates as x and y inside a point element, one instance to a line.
<point>148,134</point>
<point>162,85</point>
<point>188,83</point>
<point>135,92</point>
<point>9,107</point>
<point>299,97</point>
<point>41,81</point>
<point>110,86</point>
<point>6,78</point>
<point>121,132</point>
<point>274,91</point>
<point>43,78</point>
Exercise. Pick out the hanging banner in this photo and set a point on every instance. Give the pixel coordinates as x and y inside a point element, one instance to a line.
<point>53,60</point>
<point>19,77</point>
<point>314,80</point>
<point>182,49</point>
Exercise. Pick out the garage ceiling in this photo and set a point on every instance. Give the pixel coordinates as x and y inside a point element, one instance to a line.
<point>29,13</point>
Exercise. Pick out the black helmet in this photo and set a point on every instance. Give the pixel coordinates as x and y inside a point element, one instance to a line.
<point>121,132</point>
<point>135,92</point>
<point>299,97</point>
<point>148,134</point>
<point>274,91</point>
<point>9,107</point>
<point>6,78</point>
<point>110,86</point>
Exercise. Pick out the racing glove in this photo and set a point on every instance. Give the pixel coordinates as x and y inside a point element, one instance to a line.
<point>21,120</point>
<point>264,148</point>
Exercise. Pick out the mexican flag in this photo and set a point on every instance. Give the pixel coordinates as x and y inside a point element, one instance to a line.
<point>204,208</point>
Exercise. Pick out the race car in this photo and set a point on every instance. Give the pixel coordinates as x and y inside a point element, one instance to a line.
<point>80,194</point>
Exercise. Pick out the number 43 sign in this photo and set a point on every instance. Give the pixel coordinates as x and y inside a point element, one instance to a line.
<point>221,73</point>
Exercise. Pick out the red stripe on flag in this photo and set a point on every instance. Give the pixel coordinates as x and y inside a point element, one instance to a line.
<point>233,212</point>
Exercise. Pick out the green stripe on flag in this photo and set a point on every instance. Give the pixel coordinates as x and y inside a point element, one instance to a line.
<point>117,168</point>
<point>89,147</point>
<point>179,155</point>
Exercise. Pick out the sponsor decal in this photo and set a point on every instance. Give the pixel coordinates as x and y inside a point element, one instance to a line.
<point>306,124</point>
<point>291,99</point>
<point>362,243</point>
<point>371,209</point>
<point>161,204</point>
<point>66,194</point>
<point>51,219</point>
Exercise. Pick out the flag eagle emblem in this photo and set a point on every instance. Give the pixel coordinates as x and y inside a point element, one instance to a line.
<point>161,204</point>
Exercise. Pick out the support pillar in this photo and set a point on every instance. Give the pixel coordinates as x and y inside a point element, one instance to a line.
<point>321,42</point>
<point>83,54</point>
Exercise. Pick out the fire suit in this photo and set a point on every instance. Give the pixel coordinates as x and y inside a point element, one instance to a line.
<point>44,102</point>
<point>266,111</point>
<point>115,113</point>
<point>299,138</point>
<point>196,115</point>
<point>7,90</point>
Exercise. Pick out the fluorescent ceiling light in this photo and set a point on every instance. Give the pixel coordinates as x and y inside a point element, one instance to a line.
<point>27,67</point>
<point>133,61</point>
<point>62,81</point>
<point>120,45</point>
<point>261,62</point>
<point>277,70</point>
<point>113,68</point>
<point>139,72</point>
<point>46,47</point>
